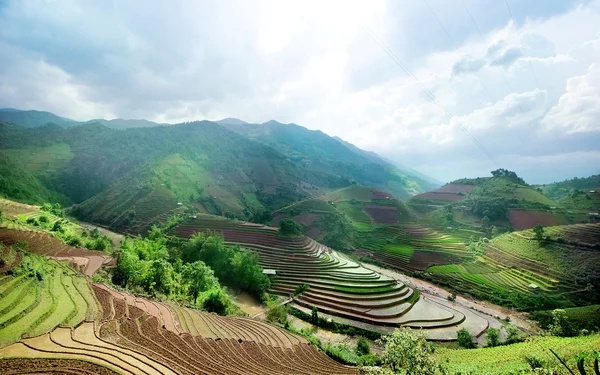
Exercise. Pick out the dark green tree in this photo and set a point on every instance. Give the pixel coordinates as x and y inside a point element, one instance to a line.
<point>538,232</point>
<point>492,337</point>
<point>199,278</point>
<point>465,339</point>
<point>289,227</point>
<point>314,315</point>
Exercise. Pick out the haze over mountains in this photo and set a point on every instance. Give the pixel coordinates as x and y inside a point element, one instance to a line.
<point>113,169</point>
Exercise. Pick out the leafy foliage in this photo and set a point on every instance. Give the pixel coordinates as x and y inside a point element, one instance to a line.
<point>232,266</point>
<point>465,339</point>
<point>289,227</point>
<point>538,231</point>
<point>362,346</point>
<point>17,183</point>
<point>410,352</point>
<point>492,337</point>
<point>510,175</point>
<point>340,234</point>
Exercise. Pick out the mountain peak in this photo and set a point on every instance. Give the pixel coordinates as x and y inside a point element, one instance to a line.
<point>231,121</point>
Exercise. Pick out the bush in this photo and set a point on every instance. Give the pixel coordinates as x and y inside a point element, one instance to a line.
<point>492,337</point>
<point>512,334</point>
<point>534,362</point>
<point>44,219</point>
<point>561,326</point>
<point>289,227</point>
<point>409,351</point>
<point>300,289</point>
<point>217,301</point>
<point>362,346</point>
<point>465,339</point>
<point>277,313</point>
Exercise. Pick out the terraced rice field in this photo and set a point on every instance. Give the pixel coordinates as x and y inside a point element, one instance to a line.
<point>411,247</point>
<point>382,214</point>
<point>189,341</point>
<point>447,193</point>
<point>337,285</point>
<point>31,305</point>
<point>517,263</point>
<point>62,325</point>
<point>14,366</point>
<point>527,219</point>
<point>42,243</point>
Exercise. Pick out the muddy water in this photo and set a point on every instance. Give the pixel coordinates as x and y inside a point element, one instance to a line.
<point>248,304</point>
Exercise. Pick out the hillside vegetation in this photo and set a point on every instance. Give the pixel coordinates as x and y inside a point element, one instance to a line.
<point>316,151</point>
<point>129,179</point>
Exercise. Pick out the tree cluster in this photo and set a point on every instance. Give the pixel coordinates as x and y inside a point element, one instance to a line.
<point>512,176</point>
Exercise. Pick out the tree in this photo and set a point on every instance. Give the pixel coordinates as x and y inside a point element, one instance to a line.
<point>314,315</point>
<point>561,326</point>
<point>492,337</point>
<point>538,231</point>
<point>277,312</point>
<point>407,350</point>
<point>217,301</point>
<point>199,278</point>
<point>512,334</point>
<point>485,222</point>
<point>362,346</point>
<point>289,227</point>
<point>465,339</point>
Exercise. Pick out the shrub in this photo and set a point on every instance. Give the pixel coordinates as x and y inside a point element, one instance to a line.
<point>452,297</point>
<point>217,301</point>
<point>465,339</point>
<point>492,337</point>
<point>277,313</point>
<point>300,289</point>
<point>21,245</point>
<point>512,334</point>
<point>534,362</point>
<point>44,219</point>
<point>409,351</point>
<point>362,346</point>
<point>289,226</point>
<point>561,326</point>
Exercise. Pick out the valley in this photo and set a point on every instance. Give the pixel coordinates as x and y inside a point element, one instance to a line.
<point>166,229</point>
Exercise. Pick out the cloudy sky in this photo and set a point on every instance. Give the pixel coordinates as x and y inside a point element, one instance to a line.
<point>452,88</point>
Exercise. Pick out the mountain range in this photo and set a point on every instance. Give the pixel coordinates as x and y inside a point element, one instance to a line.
<point>116,172</point>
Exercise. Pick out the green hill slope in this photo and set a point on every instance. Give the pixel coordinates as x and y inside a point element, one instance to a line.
<point>563,189</point>
<point>316,151</point>
<point>504,200</point>
<point>144,172</point>
<point>17,183</point>
<point>33,118</point>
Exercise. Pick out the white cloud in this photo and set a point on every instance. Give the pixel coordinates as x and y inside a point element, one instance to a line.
<point>313,63</point>
<point>578,110</point>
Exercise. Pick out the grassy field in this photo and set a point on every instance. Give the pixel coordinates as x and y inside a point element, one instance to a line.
<point>510,359</point>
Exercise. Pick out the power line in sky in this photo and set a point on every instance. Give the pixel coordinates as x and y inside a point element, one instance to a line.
<point>431,96</point>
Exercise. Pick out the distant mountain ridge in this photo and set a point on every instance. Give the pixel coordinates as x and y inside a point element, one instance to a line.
<point>110,167</point>
<point>316,151</point>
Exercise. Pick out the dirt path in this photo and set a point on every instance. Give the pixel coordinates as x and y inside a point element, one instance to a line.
<point>484,307</point>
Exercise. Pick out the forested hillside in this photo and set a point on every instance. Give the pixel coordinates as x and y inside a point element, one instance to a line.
<point>129,178</point>
<point>316,151</point>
